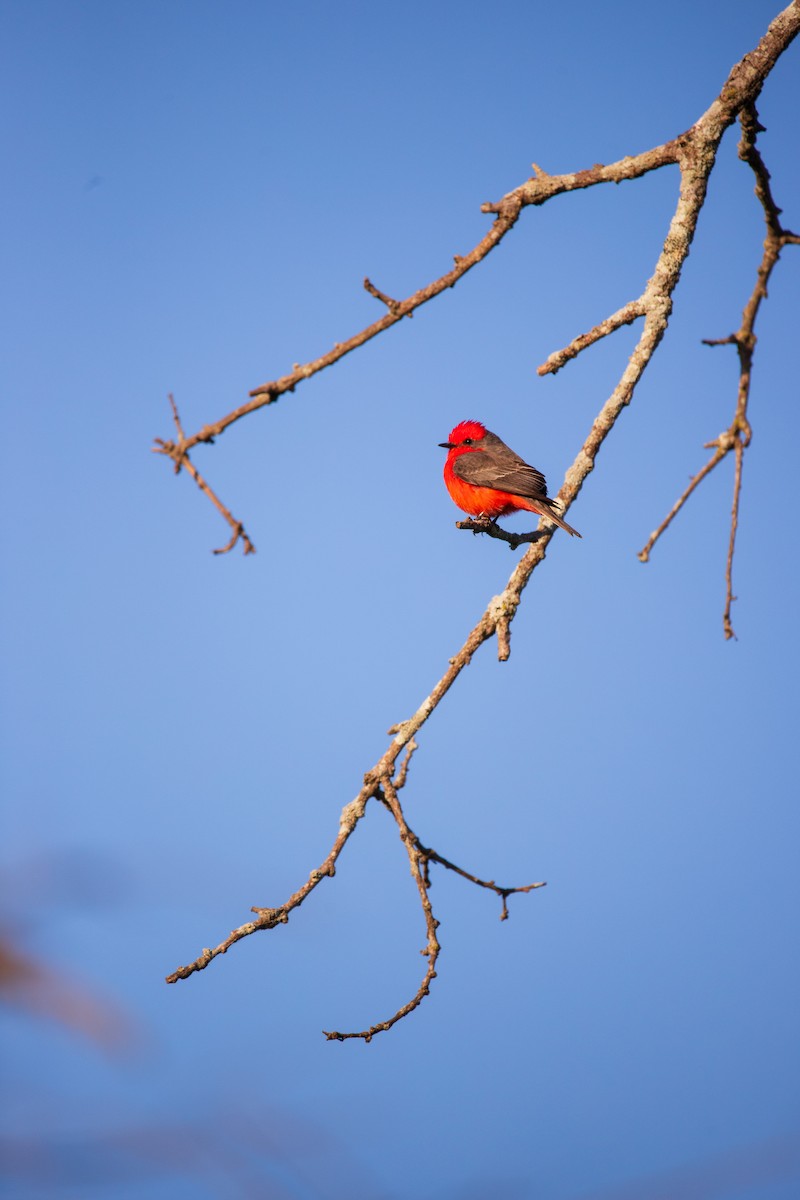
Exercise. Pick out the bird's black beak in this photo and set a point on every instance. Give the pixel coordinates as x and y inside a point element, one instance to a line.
<point>446,445</point>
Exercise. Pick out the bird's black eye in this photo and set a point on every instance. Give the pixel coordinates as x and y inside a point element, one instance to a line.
<point>467,442</point>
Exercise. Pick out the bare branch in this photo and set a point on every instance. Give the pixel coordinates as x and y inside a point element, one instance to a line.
<point>694,153</point>
<point>737,436</point>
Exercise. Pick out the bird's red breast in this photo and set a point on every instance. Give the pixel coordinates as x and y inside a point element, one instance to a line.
<point>476,500</point>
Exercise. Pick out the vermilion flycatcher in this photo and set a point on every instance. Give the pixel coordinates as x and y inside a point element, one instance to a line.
<point>487,479</point>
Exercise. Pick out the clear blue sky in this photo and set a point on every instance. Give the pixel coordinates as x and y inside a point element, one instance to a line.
<point>193,194</point>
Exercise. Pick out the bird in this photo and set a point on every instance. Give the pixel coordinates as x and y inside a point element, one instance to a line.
<point>485,478</point>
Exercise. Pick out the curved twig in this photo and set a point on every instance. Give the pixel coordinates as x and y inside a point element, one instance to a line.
<point>388,795</point>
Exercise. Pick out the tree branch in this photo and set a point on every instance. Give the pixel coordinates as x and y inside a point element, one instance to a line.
<point>694,153</point>
<point>737,437</point>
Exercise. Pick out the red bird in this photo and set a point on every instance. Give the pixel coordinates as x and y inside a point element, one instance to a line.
<point>487,479</point>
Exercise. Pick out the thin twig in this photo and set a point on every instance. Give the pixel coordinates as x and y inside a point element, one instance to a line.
<point>644,553</point>
<point>402,773</point>
<point>485,525</point>
<point>178,453</point>
<point>737,488</point>
<point>429,855</point>
<point>391,304</point>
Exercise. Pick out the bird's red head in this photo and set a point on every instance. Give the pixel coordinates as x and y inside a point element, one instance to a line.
<point>464,435</point>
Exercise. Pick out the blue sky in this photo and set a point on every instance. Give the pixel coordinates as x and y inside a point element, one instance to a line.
<point>193,197</point>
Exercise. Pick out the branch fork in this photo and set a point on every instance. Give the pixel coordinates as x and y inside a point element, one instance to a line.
<point>384,785</point>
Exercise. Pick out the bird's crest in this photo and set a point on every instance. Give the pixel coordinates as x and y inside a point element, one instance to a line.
<point>467,430</point>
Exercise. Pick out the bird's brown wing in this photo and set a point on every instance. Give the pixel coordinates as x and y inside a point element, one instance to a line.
<point>502,470</point>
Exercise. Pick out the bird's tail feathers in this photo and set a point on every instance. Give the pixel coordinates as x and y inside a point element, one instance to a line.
<point>548,509</point>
